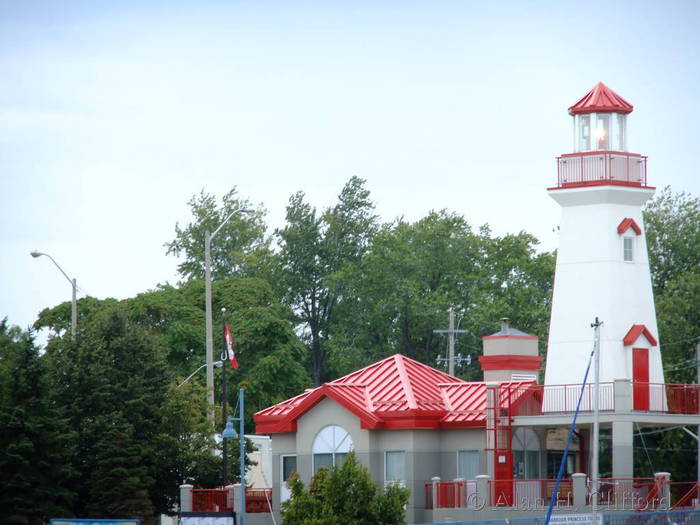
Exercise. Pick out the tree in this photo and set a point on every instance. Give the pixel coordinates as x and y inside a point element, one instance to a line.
<point>241,240</point>
<point>344,495</point>
<point>401,290</point>
<point>36,441</point>
<point>313,248</point>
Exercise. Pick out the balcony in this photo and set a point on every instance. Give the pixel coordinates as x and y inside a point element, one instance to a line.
<point>594,168</point>
<point>619,396</point>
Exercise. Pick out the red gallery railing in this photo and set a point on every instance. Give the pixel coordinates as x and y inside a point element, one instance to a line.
<point>210,500</point>
<point>216,500</point>
<point>591,168</point>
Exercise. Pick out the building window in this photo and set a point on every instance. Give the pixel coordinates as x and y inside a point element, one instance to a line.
<point>554,463</point>
<point>395,467</point>
<point>468,464</point>
<point>628,249</point>
<point>621,132</point>
<point>526,454</point>
<point>331,445</point>
<point>289,466</point>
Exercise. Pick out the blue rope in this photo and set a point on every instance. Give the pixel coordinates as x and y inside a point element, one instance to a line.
<point>568,442</point>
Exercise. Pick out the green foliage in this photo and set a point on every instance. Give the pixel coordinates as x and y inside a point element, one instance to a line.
<point>36,441</point>
<point>239,244</point>
<point>344,495</point>
<point>402,289</point>
<point>313,248</point>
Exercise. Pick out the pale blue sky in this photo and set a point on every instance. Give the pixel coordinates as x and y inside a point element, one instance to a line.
<point>112,114</point>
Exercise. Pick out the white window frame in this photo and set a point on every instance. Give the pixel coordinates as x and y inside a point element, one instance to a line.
<point>631,250</point>
<point>335,446</point>
<point>478,459</point>
<point>387,481</point>
<point>285,492</point>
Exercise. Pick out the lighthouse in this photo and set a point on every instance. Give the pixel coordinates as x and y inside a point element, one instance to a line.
<point>602,267</point>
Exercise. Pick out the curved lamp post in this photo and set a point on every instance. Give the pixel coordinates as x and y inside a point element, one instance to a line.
<point>74,305</point>
<point>229,433</point>
<point>217,364</point>
<point>207,292</point>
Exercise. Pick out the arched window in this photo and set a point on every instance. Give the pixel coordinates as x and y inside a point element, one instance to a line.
<point>331,445</point>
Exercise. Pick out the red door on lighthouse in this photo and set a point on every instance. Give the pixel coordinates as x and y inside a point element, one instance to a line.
<point>640,377</point>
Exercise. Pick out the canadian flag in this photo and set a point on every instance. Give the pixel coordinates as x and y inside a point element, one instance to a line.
<point>229,347</point>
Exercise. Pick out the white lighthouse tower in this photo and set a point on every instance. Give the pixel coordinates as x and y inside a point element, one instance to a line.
<point>602,266</point>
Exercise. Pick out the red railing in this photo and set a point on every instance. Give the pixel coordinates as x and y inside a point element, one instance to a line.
<point>601,167</point>
<point>451,494</point>
<point>627,493</point>
<point>210,500</point>
<point>685,494</point>
<point>258,500</point>
<point>217,500</point>
<point>554,399</point>
<point>538,492</point>
<point>674,398</point>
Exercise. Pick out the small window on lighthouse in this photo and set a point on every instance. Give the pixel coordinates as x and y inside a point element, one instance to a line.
<point>628,249</point>
<point>584,134</point>
<point>602,133</point>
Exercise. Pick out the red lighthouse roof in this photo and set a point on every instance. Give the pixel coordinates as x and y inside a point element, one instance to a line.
<point>601,99</point>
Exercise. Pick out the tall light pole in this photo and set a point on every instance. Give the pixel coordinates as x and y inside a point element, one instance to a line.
<point>209,324</point>
<point>73,283</point>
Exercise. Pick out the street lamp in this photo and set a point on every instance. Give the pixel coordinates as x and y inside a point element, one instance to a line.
<point>74,305</point>
<point>209,323</point>
<point>217,364</point>
<point>229,433</point>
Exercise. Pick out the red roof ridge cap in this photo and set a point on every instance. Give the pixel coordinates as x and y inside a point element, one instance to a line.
<point>405,381</point>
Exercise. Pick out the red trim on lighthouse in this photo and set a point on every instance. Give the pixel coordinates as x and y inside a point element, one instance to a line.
<point>507,362</point>
<point>601,99</point>
<point>635,332</point>
<point>628,223</point>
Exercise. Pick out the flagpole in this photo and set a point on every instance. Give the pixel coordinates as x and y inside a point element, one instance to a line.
<point>224,393</point>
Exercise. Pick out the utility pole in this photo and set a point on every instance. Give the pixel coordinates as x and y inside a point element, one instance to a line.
<point>451,332</point>
<point>697,364</point>
<point>596,416</point>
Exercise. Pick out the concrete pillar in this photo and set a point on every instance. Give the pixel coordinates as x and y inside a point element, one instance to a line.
<point>237,499</point>
<point>623,396</point>
<point>663,482</point>
<point>460,492</point>
<point>483,492</point>
<point>231,496</point>
<point>623,453</point>
<point>435,480</point>
<point>578,481</point>
<point>186,498</point>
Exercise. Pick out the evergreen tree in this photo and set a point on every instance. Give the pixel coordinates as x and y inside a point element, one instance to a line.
<point>35,439</point>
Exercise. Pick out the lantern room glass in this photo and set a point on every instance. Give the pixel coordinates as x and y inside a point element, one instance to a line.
<point>584,133</point>
<point>602,131</point>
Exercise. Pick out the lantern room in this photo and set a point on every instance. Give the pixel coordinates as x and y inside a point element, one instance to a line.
<point>600,120</point>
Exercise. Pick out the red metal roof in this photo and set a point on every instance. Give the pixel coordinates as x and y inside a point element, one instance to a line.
<point>628,223</point>
<point>601,99</point>
<point>396,392</point>
<point>635,332</point>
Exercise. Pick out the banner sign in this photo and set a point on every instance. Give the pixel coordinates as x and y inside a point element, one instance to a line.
<point>577,519</point>
<point>74,521</point>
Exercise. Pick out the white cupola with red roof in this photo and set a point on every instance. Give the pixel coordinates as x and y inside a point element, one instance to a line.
<point>602,265</point>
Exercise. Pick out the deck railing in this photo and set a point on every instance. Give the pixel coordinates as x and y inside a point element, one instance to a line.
<point>218,500</point>
<point>591,168</point>
<point>633,494</point>
<point>665,398</point>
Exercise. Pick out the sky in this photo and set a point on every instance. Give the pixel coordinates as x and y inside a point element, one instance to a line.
<point>113,114</point>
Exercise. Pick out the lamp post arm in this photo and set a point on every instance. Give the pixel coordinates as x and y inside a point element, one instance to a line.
<point>71,281</point>
<point>228,217</point>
